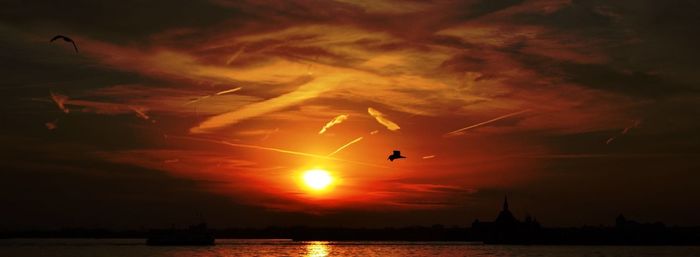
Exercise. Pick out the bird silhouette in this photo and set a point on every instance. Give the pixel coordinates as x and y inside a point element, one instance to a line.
<point>395,155</point>
<point>67,39</point>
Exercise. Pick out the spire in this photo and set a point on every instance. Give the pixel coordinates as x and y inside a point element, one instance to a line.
<point>505,203</point>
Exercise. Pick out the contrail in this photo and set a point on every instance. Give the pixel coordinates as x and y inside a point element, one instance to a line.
<point>222,142</point>
<point>218,93</point>
<point>198,99</point>
<point>140,112</point>
<point>382,120</point>
<point>171,161</point>
<point>229,91</point>
<point>235,55</point>
<point>344,146</point>
<point>635,125</point>
<point>60,100</point>
<point>607,142</point>
<point>624,131</point>
<point>429,157</point>
<point>337,120</point>
<point>268,133</point>
<point>272,149</point>
<point>460,131</point>
<point>51,125</point>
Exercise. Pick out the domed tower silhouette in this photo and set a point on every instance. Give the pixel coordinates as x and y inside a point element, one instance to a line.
<point>505,217</point>
<point>507,229</point>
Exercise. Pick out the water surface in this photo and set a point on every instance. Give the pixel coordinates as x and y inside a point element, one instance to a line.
<point>249,248</point>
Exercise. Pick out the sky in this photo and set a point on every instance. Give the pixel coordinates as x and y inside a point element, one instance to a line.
<point>176,111</point>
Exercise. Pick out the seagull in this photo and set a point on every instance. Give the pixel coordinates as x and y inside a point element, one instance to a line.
<point>67,39</point>
<point>395,155</point>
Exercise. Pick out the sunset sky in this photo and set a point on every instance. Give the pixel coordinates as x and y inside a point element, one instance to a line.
<point>172,110</point>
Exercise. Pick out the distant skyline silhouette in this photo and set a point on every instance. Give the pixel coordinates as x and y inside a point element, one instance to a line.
<point>506,228</point>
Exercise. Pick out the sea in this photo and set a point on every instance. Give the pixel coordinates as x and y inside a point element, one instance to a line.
<point>282,247</point>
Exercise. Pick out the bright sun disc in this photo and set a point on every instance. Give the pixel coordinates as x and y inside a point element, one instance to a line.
<point>317,179</point>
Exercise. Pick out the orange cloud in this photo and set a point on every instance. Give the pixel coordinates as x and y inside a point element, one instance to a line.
<point>335,121</point>
<point>436,76</point>
<point>390,125</point>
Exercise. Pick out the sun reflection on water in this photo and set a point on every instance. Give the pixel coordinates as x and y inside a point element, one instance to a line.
<point>317,249</point>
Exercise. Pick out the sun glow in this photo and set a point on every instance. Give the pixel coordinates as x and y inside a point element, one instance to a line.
<point>317,179</point>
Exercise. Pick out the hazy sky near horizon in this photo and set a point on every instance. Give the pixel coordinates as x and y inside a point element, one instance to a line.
<point>578,110</point>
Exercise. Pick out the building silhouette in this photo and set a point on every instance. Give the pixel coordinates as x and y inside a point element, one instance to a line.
<point>506,228</point>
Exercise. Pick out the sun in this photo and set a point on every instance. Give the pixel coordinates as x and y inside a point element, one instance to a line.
<point>317,179</point>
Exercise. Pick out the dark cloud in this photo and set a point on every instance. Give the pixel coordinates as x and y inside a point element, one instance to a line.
<point>639,35</point>
<point>605,77</point>
<point>109,21</point>
<point>472,9</point>
<point>577,16</point>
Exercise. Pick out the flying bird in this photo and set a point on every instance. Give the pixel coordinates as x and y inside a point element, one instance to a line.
<point>66,39</point>
<point>396,155</point>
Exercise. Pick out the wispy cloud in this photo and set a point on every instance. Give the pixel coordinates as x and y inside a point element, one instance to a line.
<point>272,149</point>
<point>442,61</point>
<point>390,125</point>
<point>98,107</point>
<point>305,92</point>
<point>337,120</point>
